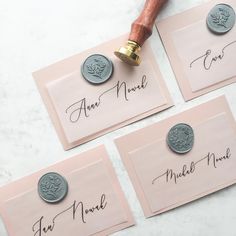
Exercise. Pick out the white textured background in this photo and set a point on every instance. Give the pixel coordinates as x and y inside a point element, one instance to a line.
<point>34,34</point>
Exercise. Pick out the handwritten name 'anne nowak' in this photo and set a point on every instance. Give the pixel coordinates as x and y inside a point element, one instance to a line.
<point>83,108</point>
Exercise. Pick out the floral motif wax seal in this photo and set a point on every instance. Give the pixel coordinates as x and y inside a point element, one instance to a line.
<point>180,138</point>
<point>97,69</point>
<point>221,19</point>
<point>52,187</point>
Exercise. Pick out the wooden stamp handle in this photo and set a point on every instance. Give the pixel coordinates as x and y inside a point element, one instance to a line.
<point>142,27</point>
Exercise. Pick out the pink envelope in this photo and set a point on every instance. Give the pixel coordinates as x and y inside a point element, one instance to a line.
<point>163,179</point>
<point>81,111</point>
<point>202,61</point>
<point>94,205</point>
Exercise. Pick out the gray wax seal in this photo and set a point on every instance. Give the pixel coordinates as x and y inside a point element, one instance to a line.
<point>52,187</point>
<point>180,138</point>
<point>221,18</point>
<point>97,69</point>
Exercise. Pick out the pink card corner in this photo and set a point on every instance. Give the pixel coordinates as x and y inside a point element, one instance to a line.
<point>151,144</point>
<point>202,76</point>
<point>71,134</point>
<point>79,166</point>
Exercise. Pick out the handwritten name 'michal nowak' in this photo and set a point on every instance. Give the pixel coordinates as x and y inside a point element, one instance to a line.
<point>185,171</point>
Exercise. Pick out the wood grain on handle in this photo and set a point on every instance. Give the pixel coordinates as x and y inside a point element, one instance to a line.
<point>142,27</point>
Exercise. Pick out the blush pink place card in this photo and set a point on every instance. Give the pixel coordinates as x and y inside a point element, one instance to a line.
<point>81,111</point>
<point>94,205</point>
<point>163,179</point>
<point>202,61</point>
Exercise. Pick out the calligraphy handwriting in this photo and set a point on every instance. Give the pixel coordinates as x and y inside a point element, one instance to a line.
<point>81,108</point>
<point>187,170</point>
<point>77,208</point>
<point>208,59</point>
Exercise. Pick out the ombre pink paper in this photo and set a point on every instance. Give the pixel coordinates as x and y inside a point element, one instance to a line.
<point>94,205</point>
<point>201,60</point>
<point>164,180</point>
<point>81,111</point>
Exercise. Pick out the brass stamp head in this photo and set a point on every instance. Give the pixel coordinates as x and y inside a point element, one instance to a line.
<point>129,53</point>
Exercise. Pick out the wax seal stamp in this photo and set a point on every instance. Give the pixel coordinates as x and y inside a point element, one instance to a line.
<point>180,138</point>
<point>97,69</point>
<point>140,31</point>
<point>52,187</point>
<point>221,19</point>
